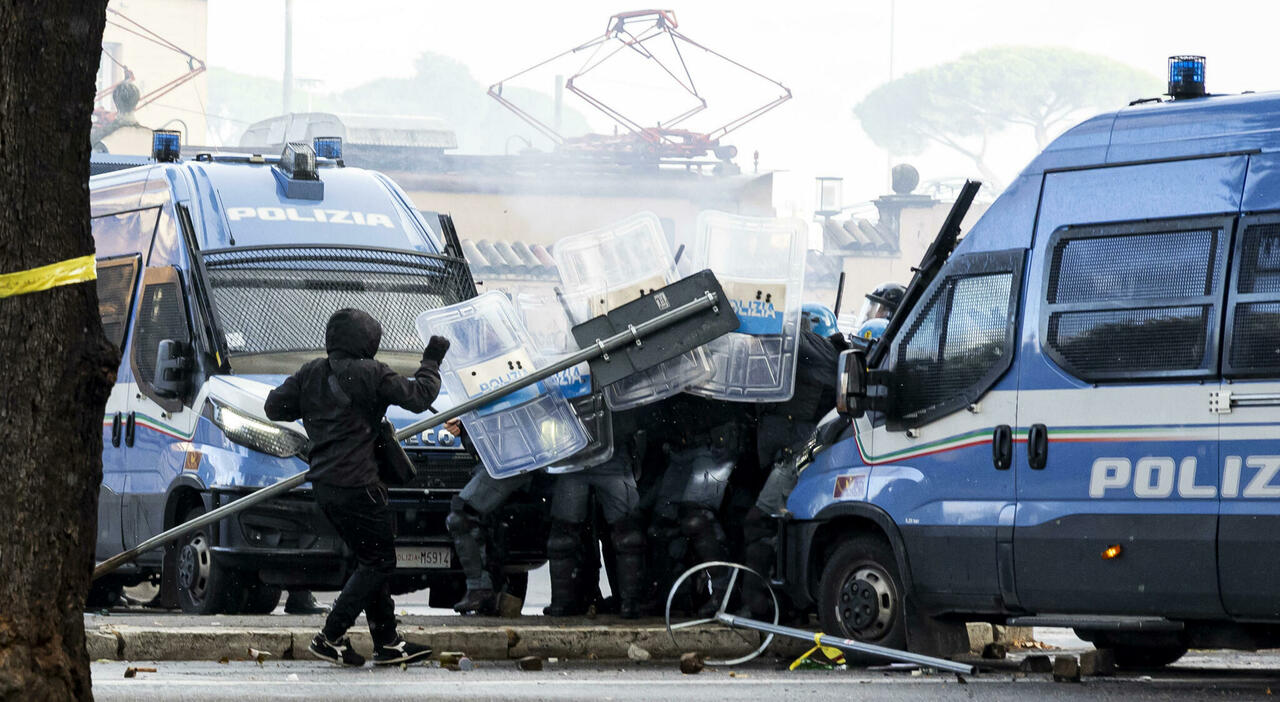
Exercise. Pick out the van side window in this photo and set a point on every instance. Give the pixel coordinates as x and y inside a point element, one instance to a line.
<point>162,314</point>
<point>117,279</point>
<point>1253,322</point>
<point>1132,301</point>
<point>960,342</point>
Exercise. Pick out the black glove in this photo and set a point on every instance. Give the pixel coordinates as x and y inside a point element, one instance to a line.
<point>437,347</point>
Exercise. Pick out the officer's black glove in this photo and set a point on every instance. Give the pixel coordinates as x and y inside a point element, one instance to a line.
<point>437,347</point>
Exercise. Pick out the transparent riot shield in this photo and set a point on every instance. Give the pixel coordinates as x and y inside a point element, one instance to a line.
<point>528,429</point>
<point>760,263</point>
<point>603,269</point>
<point>547,321</point>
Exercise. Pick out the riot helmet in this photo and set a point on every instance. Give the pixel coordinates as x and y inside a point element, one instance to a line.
<point>873,329</point>
<point>882,302</point>
<point>819,319</point>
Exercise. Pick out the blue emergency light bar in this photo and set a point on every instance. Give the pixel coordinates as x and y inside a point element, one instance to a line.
<point>166,145</point>
<point>327,147</point>
<point>296,172</point>
<point>1186,76</point>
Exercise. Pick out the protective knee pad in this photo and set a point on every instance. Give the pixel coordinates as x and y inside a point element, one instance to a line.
<point>565,541</point>
<point>458,521</point>
<point>628,537</point>
<point>695,521</point>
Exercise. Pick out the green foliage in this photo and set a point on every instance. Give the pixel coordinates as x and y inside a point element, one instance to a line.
<point>440,87</point>
<point>962,103</point>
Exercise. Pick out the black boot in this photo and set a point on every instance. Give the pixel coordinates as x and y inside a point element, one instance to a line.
<point>481,601</point>
<point>303,602</point>
<point>564,558</point>
<point>629,547</point>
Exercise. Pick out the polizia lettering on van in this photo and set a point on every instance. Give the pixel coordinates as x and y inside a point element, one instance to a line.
<point>317,215</point>
<point>1157,477</point>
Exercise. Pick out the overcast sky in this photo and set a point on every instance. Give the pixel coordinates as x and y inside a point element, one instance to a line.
<point>830,53</point>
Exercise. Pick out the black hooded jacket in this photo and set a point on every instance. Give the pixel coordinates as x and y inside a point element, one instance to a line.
<point>342,429</point>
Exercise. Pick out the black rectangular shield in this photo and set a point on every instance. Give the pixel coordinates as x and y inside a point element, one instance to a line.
<point>664,344</point>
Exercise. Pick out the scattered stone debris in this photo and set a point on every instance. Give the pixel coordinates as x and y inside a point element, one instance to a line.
<point>1037,663</point>
<point>132,672</point>
<point>1066,669</point>
<point>637,653</point>
<point>224,660</point>
<point>1099,662</point>
<point>691,663</point>
<point>529,663</point>
<point>259,656</point>
<point>451,657</point>
<point>513,638</point>
<point>995,651</point>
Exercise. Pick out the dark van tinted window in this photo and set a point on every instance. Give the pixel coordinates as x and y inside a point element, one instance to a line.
<point>117,279</point>
<point>961,340</point>
<point>162,314</point>
<point>1125,302</point>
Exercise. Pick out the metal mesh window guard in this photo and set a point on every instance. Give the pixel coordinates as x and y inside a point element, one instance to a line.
<point>1255,314</point>
<point>1124,302</point>
<point>954,344</point>
<point>161,315</point>
<point>279,299</point>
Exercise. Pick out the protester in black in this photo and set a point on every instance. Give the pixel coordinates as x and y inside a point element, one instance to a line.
<point>341,400</point>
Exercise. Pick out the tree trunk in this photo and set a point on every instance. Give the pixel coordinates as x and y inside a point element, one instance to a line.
<point>56,367</point>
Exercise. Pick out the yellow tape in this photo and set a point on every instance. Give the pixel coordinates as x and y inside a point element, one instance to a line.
<point>68,272</point>
<point>832,653</point>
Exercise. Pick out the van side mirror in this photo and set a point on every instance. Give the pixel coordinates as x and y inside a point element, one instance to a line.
<point>174,360</point>
<point>851,383</point>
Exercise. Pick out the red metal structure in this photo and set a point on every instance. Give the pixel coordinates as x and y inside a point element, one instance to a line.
<point>637,31</point>
<point>195,66</point>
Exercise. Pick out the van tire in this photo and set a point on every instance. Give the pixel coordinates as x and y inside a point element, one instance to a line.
<point>204,585</point>
<point>1147,657</point>
<point>860,595</point>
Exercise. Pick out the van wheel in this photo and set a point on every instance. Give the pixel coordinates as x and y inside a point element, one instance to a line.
<point>204,585</point>
<point>860,595</point>
<point>1147,657</point>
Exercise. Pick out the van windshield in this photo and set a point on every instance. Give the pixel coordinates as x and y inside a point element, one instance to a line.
<point>272,303</point>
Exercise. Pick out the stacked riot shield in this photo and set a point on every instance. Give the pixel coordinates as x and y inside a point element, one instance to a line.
<point>603,269</point>
<point>760,263</point>
<point>528,429</point>
<point>547,321</point>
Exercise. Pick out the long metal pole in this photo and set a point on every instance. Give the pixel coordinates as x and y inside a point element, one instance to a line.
<point>600,348</point>
<point>845,644</point>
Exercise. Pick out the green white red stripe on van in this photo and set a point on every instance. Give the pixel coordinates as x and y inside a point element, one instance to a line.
<point>977,437</point>
<point>154,424</point>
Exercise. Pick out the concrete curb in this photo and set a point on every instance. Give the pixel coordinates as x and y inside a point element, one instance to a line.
<point>127,642</point>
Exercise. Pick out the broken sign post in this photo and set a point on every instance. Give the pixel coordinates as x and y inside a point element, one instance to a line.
<point>691,314</point>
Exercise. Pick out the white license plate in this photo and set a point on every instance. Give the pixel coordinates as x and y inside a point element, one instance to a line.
<point>424,557</point>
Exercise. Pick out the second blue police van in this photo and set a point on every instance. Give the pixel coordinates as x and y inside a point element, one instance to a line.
<point>1076,422</point>
<point>216,277</point>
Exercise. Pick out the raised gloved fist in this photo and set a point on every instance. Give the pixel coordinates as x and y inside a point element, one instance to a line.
<point>437,347</point>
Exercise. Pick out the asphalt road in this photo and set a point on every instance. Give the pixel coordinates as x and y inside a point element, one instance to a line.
<point>309,680</point>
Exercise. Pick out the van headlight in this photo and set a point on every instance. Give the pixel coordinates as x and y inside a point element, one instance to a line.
<point>257,434</point>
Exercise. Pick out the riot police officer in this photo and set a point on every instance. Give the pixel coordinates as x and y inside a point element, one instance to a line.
<point>469,512</point>
<point>882,302</point>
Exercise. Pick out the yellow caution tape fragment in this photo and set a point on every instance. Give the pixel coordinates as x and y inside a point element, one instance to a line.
<point>68,272</point>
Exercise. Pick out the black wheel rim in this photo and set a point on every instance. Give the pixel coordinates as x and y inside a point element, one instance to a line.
<point>866,604</point>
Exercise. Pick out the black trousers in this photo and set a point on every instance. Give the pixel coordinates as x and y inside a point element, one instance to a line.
<point>365,522</point>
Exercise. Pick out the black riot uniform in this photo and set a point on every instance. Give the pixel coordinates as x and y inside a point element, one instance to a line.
<point>469,514</point>
<point>703,440</point>
<point>784,428</point>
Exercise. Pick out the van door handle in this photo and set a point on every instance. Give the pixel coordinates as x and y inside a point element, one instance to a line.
<point>115,430</point>
<point>1002,447</point>
<point>128,430</point>
<point>1038,446</point>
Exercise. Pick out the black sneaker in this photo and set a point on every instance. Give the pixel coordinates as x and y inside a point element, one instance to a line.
<point>337,652</point>
<point>399,651</point>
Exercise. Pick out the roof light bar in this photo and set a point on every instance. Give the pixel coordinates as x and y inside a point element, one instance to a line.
<point>166,145</point>
<point>328,147</point>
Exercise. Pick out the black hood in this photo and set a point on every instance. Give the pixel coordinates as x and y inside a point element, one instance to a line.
<point>352,333</point>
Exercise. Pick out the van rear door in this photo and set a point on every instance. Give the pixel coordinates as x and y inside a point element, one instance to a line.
<point>1118,447</point>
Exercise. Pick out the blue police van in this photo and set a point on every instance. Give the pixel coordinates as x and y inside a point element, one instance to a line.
<point>216,277</point>
<point>1075,420</point>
